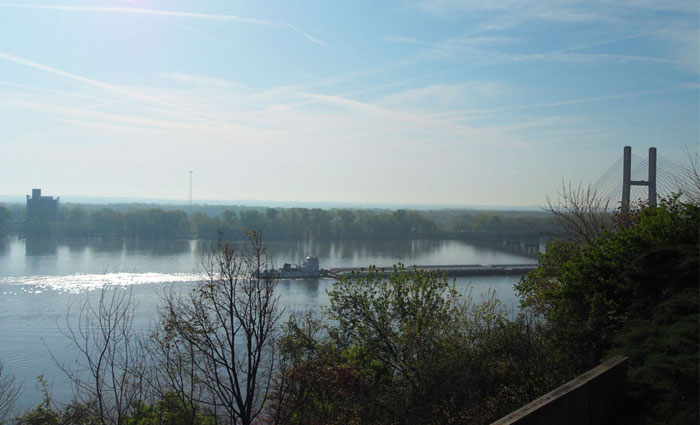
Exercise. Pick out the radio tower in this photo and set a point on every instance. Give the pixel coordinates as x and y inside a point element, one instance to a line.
<point>190,199</point>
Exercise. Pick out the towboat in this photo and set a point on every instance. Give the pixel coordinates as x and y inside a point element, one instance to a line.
<point>307,270</point>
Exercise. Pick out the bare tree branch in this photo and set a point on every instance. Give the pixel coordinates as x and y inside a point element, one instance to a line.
<point>581,213</point>
<point>110,369</point>
<point>226,328</point>
<point>689,181</point>
<point>9,393</point>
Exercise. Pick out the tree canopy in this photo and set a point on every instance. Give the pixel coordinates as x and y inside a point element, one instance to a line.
<point>406,347</point>
<point>634,291</point>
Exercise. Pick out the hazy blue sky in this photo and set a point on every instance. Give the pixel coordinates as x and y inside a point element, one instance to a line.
<point>407,101</point>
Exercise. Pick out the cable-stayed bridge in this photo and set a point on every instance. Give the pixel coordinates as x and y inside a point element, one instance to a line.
<point>644,179</point>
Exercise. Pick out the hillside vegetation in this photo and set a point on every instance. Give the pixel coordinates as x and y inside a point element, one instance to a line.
<point>632,291</point>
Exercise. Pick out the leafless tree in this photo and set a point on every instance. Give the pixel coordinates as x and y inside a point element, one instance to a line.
<point>581,214</point>
<point>689,181</point>
<point>229,325</point>
<point>174,370</point>
<point>9,393</point>
<point>109,371</point>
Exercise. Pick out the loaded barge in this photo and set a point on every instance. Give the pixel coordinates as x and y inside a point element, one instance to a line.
<point>310,269</point>
<point>453,270</point>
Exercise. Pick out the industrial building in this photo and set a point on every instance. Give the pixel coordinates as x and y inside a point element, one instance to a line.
<point>41,208</point>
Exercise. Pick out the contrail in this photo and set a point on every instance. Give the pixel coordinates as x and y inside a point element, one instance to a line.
<point>141,11</point>
<point>617,96</point>
<point>476,114</point>
<point>628,37</point>
<point>113,88</point>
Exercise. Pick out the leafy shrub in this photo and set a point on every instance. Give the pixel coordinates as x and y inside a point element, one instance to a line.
<point>406,347</point>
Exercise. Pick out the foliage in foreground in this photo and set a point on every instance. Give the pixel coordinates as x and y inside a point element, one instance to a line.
<point>407,348</point>
<point>634,292</point>
<point>167,411</point>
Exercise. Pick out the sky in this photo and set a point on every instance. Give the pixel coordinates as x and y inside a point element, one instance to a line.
<point>460,102</point>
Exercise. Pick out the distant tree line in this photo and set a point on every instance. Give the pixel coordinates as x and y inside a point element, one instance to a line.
<point>466,221</point>
<point>276,223</point>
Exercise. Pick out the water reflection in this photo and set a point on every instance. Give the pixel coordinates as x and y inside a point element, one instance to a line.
<point>157,247</point>
<point>77,249</point>
<point>36,247</point>
<point>333,252</point>
<point>337,253</point>
<point>114,245</point>
<point>294,251</point>
<point>42,256</point>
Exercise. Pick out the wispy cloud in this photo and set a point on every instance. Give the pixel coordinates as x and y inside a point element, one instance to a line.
<point>400,124</point>
<point>480,56</point>
<point>171,13</point>
<point>197,80</point>
<point>58,92</point>
<point>619,96</point>
<point>552,10</point>
<point>486,113</point>
<point>89,114</point>
<point>190,113</point>
<point>351,104</point>
<point>440,97</point>
<point>405,40</point>
<point>453,43</point>
<point>497,26</point>
<point>501,57</point>
<point>482,50</point>
<point>514,12</point>
<point>623,38</point>
<point>665,5</point>
<point>684,44</point>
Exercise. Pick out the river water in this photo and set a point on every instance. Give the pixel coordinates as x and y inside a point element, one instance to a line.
<point>41,281</point>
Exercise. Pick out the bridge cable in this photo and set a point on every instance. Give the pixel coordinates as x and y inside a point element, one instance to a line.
<point>607,184</point>
<point>607,175</point>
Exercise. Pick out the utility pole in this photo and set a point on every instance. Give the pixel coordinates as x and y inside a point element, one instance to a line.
<point>627,181</point>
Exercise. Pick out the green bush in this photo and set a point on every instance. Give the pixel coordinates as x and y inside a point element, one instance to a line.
<point>406,347</point>
<point>632,291</point>
<point>170,410</point>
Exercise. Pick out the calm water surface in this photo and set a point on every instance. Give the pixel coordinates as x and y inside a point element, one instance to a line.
<point>42,280</point>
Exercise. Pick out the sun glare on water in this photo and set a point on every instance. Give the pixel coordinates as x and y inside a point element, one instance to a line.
<point>77,283</point>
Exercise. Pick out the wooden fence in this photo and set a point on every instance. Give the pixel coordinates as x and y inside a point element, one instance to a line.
<point>594,398</point>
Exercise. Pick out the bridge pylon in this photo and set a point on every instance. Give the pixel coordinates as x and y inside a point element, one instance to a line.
<point>627,181</point>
